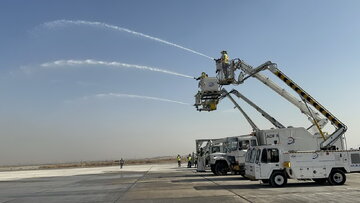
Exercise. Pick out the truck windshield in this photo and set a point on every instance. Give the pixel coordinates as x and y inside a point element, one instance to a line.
<point>253,155</point>
<point>215,149</point>
<point>253,143</point>
<point>248,155</point>
<point>258,155</point>
<point>244,144</point>
<point>232,144</point>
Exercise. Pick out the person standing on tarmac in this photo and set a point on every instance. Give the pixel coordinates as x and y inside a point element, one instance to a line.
<point>189,161</point>
<point>178,160</point>
<point>122,162</point>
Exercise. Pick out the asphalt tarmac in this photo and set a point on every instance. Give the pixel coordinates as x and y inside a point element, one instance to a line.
<point>160,183</point>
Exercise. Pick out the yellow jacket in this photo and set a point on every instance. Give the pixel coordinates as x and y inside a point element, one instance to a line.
<point>225,58</point>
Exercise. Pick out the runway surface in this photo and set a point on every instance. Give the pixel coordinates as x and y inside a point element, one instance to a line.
<point>160,183</point>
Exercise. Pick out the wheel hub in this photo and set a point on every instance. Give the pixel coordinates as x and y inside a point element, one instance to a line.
<point>338,177</point>
<point>279,180</point>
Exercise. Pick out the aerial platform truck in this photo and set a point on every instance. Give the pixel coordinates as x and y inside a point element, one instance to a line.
<point>299,140</point>
<point>274,164</point>
<point>233,158</point>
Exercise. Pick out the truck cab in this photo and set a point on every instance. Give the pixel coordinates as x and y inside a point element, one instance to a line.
<point>274,165</point>
<point>265,163</point>
<point>232,159</point>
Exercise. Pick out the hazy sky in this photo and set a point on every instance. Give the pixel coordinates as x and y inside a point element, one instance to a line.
<point>72,89</point>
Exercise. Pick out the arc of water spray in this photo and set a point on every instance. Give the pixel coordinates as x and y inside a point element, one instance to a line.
<point>138,97</point>
<point>114,27</point>
<point>59,63</point>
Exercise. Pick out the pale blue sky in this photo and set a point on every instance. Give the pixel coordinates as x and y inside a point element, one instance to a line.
<point>53,115</point>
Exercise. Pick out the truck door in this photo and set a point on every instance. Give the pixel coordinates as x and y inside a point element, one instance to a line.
<point>257,164</point>
<point>268,162</point>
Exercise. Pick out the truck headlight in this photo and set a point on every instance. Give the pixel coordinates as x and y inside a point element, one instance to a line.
<point>287,164</point>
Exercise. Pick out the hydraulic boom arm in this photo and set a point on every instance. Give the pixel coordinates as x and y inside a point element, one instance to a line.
<point>253,125</point>
<point>308,99</point>
<point>263,113</point>
<point>340,127</point>
<point>282,92</point>
<point>276,123</point>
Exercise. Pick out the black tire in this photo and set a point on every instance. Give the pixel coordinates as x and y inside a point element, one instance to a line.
<point>278,179</point>
<point>221,168</point>
<point>337,177</point>
<point>320,181</point>
<point>212,167</point>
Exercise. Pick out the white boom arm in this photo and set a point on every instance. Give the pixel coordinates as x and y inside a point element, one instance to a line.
<point>282,92</point>
<point>262,112</point>
<point>340,127</point>
<point>253,125</point>
<point>225,93</point>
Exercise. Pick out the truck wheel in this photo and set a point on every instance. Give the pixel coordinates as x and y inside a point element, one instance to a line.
<point>212,167</point>
<point>221,169</point>
<point>320,181</point>
<point>337,177</point>
<point>278,179</point>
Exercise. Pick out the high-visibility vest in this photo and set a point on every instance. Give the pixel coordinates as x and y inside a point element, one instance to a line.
<point>225,58</point>
<point>189,158</point>
<point>179,158</point>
